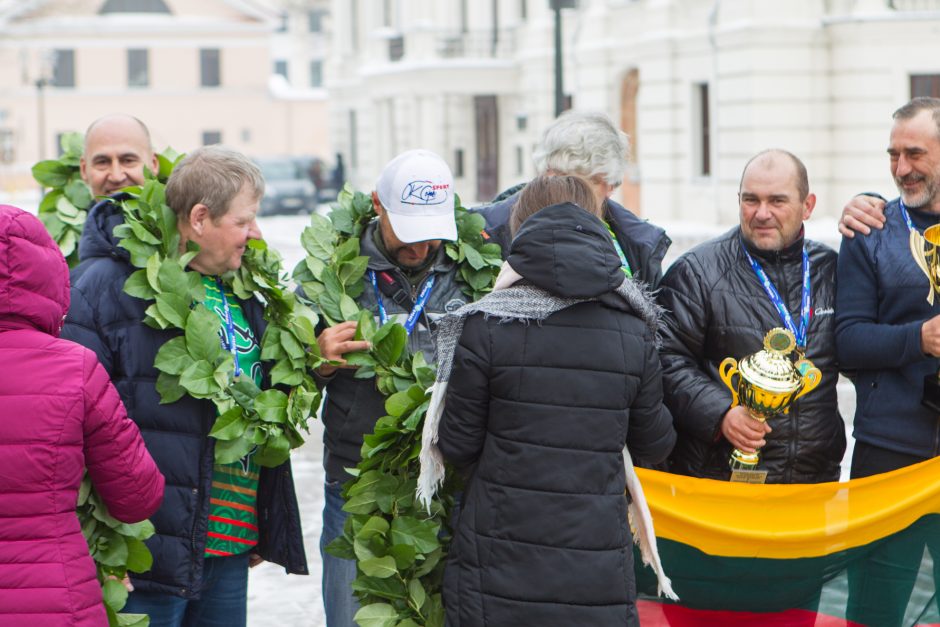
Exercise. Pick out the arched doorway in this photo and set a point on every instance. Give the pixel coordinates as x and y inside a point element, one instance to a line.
<point>630,190</point>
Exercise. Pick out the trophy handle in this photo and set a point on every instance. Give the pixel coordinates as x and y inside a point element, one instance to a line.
<point>727,369</point>
<point>917,243</point>
<point>811,379</point>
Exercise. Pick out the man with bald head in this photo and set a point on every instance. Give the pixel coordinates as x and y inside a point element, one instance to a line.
<point>117,148</point>
<point>722,297</point>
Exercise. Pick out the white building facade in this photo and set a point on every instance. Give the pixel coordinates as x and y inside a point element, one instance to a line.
<point>700,85</point>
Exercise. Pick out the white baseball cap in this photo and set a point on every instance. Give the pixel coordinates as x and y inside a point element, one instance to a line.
<point>416,189</point>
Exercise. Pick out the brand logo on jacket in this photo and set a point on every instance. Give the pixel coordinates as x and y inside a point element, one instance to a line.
<point>824,311</point>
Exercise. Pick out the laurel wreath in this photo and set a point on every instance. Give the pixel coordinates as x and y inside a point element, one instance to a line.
<point>399,546</point>
<point>194,363</point>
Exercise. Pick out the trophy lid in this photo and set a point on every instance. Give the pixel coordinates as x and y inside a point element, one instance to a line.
<point>771,369</point>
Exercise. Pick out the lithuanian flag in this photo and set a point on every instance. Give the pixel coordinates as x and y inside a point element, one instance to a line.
<point>825,555</point>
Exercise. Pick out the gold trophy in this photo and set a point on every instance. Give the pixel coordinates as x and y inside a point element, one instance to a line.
<point>768,384</point>
<point>924,248</point>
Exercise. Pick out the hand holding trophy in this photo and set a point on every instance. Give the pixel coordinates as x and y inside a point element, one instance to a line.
<point>924,248</point>
<point>768,384</point>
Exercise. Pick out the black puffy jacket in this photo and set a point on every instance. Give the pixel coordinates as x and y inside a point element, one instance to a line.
<point>109,322</point>
<point>643,243</point>
<point>718,308</point>
<point>540,413</point>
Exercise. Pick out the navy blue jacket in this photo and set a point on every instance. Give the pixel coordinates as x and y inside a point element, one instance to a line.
<point>643,243</point>
<point>109,322</point>
<point>881,305</point>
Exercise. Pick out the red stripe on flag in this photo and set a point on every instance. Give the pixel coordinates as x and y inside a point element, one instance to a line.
<point>653,614</point>
<point>222,553</point>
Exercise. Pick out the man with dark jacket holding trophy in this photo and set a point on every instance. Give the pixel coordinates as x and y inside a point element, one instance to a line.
<point>760,285</point>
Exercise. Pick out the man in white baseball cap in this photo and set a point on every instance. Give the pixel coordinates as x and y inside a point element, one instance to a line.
<point>414,199</point>
<point>409,280</point>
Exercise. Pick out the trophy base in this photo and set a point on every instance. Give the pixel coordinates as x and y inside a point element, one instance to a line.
<point>931,399</point>
<point>744,468</point>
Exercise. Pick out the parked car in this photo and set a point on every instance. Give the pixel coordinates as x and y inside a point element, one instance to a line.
<point>286,188</point>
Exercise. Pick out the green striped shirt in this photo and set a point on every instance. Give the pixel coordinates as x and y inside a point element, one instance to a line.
<point>233,515</point>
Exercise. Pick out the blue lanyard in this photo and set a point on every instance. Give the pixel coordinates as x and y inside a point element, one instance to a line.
<point>907,216</point>
<point>775,298</point>
<point>416,311</point>
<point>228,343</point>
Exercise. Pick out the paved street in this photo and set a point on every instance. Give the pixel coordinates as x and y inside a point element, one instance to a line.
<point>274,598</point>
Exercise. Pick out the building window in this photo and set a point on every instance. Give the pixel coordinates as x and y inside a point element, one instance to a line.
<point>701,131</point>
<point>6,145</point>
<point>210,74</point>
<point>134,6</point>
<point>396,48</point>
<point>464,17</point>
<point>138,68</point>
<point>523,10</point>
<point>315,21</point>
<point>354,24</point>
<point>283,23</point>
<point>387,13</point>
<point>211,137</point>
<point>280,67</point>
<point>520,161</point>
<point>925,86</point>
<point>316,73</point>
<point>63,68</point>
<point>458,163</point>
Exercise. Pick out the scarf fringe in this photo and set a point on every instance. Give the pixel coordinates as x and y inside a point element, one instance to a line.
<point>641,521</point>
<point>432,462</point>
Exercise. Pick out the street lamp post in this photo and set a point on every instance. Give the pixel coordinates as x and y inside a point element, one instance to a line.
<point>557,6</point>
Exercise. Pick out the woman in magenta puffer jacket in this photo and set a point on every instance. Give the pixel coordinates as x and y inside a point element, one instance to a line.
<point>59,413</point>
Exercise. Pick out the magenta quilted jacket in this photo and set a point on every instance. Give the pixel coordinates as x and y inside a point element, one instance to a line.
<point>59,413</point>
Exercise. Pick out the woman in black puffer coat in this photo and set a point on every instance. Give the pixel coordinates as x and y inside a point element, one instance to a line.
<point>538,412</point>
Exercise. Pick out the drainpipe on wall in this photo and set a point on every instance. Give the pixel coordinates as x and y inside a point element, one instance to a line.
<point>714,93</point>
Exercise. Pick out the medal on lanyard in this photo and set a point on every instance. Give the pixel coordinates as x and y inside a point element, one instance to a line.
<point>802,364</point>
<point>416,311</point>
<point>228,342</point>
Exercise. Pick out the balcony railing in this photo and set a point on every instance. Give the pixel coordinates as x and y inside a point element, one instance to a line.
<point>482,43</point>
<point>914,5</point>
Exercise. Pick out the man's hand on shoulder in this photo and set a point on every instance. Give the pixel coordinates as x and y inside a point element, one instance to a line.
<point>862,213</point>
<point>743,431</point>
<point>336,341</point>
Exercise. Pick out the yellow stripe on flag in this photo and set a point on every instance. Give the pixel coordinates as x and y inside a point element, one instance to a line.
<point>789,521</point>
